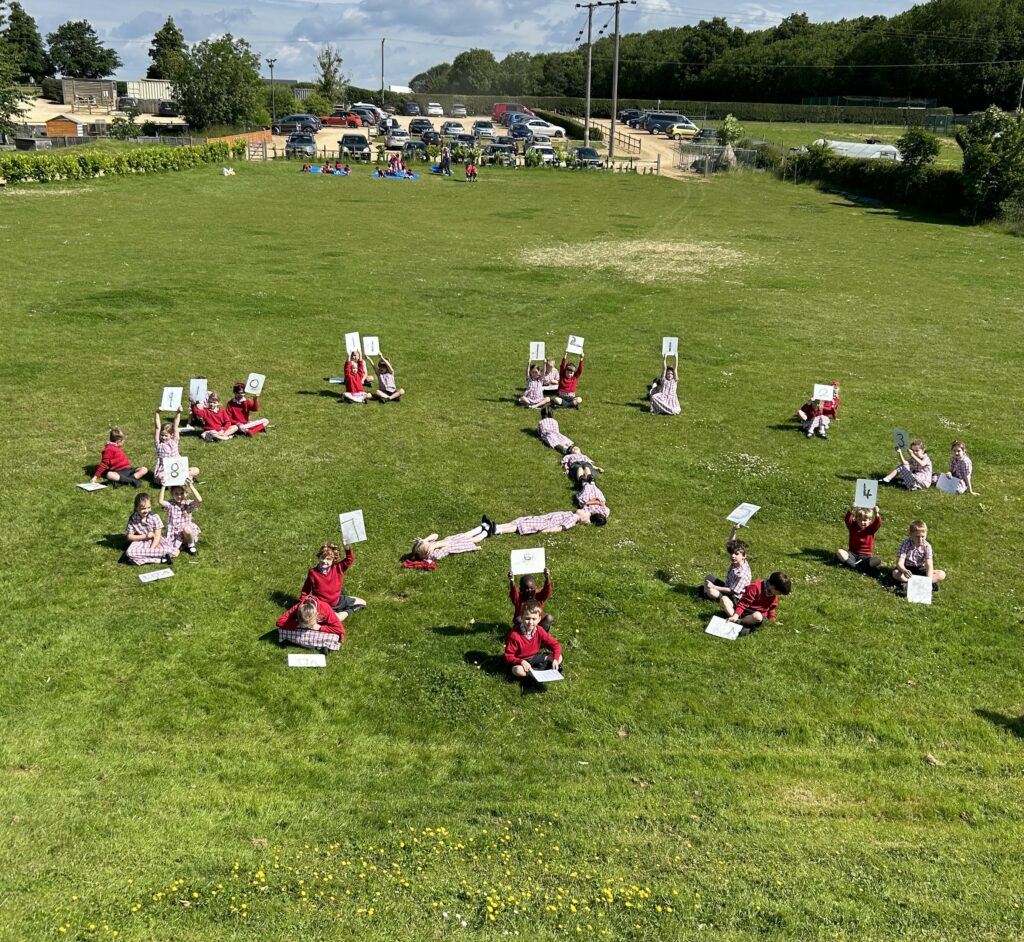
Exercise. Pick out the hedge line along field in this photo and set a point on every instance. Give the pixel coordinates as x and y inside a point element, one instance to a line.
<point>853,772</point>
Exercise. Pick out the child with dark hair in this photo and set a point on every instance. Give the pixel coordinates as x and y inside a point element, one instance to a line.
<point>146,542</point>
<point>961,468</point>
<point>759,601</point>
<point>240,409</point>
<point>533,396</point>
<point>578,467</point>
<point>728,591</point>
<point>524,644</point>
<point>114,464</point>
<point>554,522</point>
<point>527,592</point>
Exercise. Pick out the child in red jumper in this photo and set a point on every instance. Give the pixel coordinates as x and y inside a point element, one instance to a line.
<point>523,645</point>
<point>527,592</point>
<point>863,523</point>
<point>326,579</point>
<point>311,623</point>
<point>759,601</point>
<point>217,426</point>
<point>114,463</point>
<point>568,376</point>
<point>355,376</point>
<point>240,410</point>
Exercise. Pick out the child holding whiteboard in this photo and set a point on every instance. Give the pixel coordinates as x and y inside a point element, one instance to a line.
<point>759,601</point>
<point>355,376</point>
<point>524,645</point>
<point>915,557</point>
<point>568,376</point>
<point>146,542</point>
<point>114,464</point>
<point>915,469</point>
<point>387,389</point>
<point>863,523</point>
<point>727,591</point>
<point>533,397</point>
<point>182,531</point>
<point>327,578</point>
<point>217,426</point>
<point>664,400</point>
<point>526,593</point>
<point>241,408</point>
<point>961,468</point>
<point>165,439</point>
<point>547,429</point>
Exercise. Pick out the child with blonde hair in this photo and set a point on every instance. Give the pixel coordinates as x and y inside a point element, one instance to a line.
<point>914,470</point>
<point>387,389</point>
<point>326,580</point>
<point>550,377</point>
<point>524,645</point>
<point>114,464</point>
<point>863,523</point>
<point>533,397</point>
<point>355,376</point>
<point>311,623</point>
<point>217,424</point>
<point>165,440</point>
<point>915,557</point>
<point>181,530</point>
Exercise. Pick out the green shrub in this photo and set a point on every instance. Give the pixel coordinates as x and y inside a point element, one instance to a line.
<point>1011,215</point>
<point>573,128</point>
<point>53,90</point>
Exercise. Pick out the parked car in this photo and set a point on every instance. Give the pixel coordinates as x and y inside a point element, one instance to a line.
<point>430,137</point>
<point>410,107</point>
<point>638,121</point>
<point>434,109</point>
<point>512,118</point>
<point>418,125</point>
<point>658,121</point>
<point>168,109</point>
<point>369,115</point>
<point>540,126</point>
<point>520,132</point>
<point>538,139</point>
<point>466,139</point>
<point>502,107</point>
<point>459,111</point>
<point>505,139</point>
<point>483,129</point>
<point>680,131</point>
<point>546,151</point>
<point>127,102</point>
<point>414,150</point>
<point>705,136</point>
<point>499,154</point>
<point>342,119</point>
<point>300,144</point>
<point>452,127</point>
<point>354,146</point>
<point>585,157</point>
<point>626,115</point>
<point>397,138</point>
<point>292,123</point>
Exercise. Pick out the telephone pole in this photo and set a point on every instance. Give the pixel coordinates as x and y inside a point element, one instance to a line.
<point>590,59</point>
<point>590,7</point>
<point>382,71</point>
<point>615,81</point>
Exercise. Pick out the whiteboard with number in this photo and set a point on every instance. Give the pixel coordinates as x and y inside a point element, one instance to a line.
<point>866,494</point>
<point>353,529</point>
<point>254,384</point>
<point>721,628</point>
<point>742,514</point>
<point>919,590</point>
<point>537,350</point>
<point>307,660</point>
<point>156,575</point>
<point>900,438</point>
<point>171,399</point>
<point>175,472</point>
<point>670,346</point>
<point>352,343</point>
<point>575,345</point>
<point>371,346</point>
<point>525,562</point>
<point>197,389</point>
<point>824,391</point>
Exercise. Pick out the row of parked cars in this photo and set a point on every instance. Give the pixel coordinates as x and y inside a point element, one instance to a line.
<point>670,123</point>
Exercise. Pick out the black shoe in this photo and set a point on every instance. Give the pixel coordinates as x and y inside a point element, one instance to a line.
<point>192,550</point>
<point>490,524</point>
<point>822,434</point>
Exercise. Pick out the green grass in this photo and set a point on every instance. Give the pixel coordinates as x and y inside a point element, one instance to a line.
<point>772,788</point>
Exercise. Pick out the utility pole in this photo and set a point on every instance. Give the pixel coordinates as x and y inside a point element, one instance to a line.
<point>273,93</point>
<point>1020,96</point>
<point>590,59</point>
<point>615,81</point>
<point>382,73</point>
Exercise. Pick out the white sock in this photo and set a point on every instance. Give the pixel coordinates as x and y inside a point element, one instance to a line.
<point>479,531</point>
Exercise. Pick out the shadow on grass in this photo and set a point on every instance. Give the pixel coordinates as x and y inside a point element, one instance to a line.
<point>115,541</point>
<point>324,393</point>
<point>282,599</point>
<point>786,427</point>
<point>684,588</point>
<point>1012,724</point>
<point>498,629</point>
<point>270,637</point>
<point>492,664</point>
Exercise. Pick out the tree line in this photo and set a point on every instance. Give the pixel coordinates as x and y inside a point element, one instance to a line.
<point>959,52</point>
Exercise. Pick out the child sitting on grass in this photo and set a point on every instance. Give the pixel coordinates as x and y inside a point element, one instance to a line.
<point>568,376</point>
<point>182,531</point>
<point>759,601</point>
<point>240,409</point>
<point>146,542</point>
<point>961,468</point>
<point>533,396</point>
<point>114,464</point>
<point>326,580</point>
<point>915,558</point>
<point>915,469</point>
<point>729,590</point>
<point>165,439</point>
<point>863,523</point>
<point>526,593</point>
<point>217,424</point>
<point>524,644</point>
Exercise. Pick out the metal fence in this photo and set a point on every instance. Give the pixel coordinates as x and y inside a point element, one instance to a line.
<point>708,158</point>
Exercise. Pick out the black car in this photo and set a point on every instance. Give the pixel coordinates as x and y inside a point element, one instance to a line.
<point>507,141</point>
<point>290,124</point>
<point>466,139</point>
<point>410,108</point>
<point>705,136</point>
<point>355,146</point>
<point>414,150</point>
<point>419,125</point>
<point>430,137</point>
<point>585,157</point>
<point>168,109</point>
<point>504,154</point>
<point>626,116</point>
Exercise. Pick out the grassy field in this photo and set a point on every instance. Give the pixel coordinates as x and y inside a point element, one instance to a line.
<point>165,776</point>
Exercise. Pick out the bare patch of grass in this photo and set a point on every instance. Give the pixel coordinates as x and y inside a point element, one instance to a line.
<point>45,191</point>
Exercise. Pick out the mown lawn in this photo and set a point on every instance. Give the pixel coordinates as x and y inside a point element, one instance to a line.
<point>165,776</point>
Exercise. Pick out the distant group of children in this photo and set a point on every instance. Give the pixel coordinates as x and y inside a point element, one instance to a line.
<point>328,167</point>
<point>551,385</point>
<point>357,380</point>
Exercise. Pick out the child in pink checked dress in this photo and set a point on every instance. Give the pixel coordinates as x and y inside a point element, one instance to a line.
<point>533,397</point>
<point>182,531</point>
<point>165,439</point>
<point>664,400</point>
<point>146,544</point>
<point>550,377</point>
<point>554,522</point>
<point>432,549</point>
<point>547,429</point>
<point>915,469</point>
<point>961,468</point>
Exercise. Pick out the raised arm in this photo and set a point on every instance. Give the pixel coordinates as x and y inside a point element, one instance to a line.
<point>195,493</point>
<point>156,427</point>
<point>161,500</point>
<point>177,422</point>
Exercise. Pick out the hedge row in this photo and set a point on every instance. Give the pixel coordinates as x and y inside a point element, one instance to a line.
<point>936,189</point>
<point>75,164</point>
<point>573,129</point>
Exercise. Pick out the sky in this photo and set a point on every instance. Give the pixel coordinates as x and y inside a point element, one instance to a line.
<point>418,33</point>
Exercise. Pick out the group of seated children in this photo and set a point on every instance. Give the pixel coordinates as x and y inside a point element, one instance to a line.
<point>913,558</point>
<point>356,380</point>
<point>328,167</point>
<point>742,600</point>
<point>816,415</point>
<point>396,168</point>
<point>471,171</point>
<point>550,386</point>
<point>316,620</point>
<point>914,472</point>
<point>525,643</point>
<point>221,423</point>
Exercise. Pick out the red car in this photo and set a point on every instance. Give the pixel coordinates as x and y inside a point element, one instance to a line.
<point>343,119</point>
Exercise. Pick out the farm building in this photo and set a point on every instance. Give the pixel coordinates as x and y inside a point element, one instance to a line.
<point>64,126</point>
<point>868,151</point>
<point>89,95</point>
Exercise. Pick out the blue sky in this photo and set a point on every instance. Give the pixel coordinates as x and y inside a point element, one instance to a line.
<point>419,33</point>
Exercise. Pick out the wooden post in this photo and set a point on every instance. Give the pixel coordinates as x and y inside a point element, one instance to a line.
<point>658,170</point>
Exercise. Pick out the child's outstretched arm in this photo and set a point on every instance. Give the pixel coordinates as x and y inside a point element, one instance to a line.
<point>162,499</point>
<point>195,493</point>
<point>664,366</point>
<point>177,422</point>
<point>156,427</point>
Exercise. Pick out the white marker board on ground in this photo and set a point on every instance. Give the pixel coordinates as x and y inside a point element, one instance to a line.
<point>947,483</point>
<point>175,472</point>
<point>353,529</point>
<point>525,562</point>
<point>307,660</point>
<point>255,423</point>
<point>670,346</point>
<point>171,399</point>
<point>866,494</point>
<point>919,590</point>
<point>155,575</point>
<point>91,486</point>
<point>900,438</point>
<point>371,346</point>
<point>352,343</point>
<point>537,350</point>
<point>547,677</point>
<point>720,628</point>
<point>742,514</point>
<point>197,389</point>
<point>823,391</point>
<point>254,384</point>
<point>575,345</point>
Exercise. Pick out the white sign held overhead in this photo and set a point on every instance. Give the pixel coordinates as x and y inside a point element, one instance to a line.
<point>866,494</point>
<point>352,343</point>
<point>742,514</point>
<point>720,628</point>
<point>919,590</point>
<point>670,346</point>
<point>171,399</point>
<point>547,677</point>
<point>197,389</point>
<point>947,483</point>
<point>575,345</point>
<point>900,439</point>
<point>307,660</point>
<point>353,529</point>
<point>537,350</point>
<point>254,384</point>
<point>371,346</point>
<point>175,472</point>
<point>823,391</point>
<point>156,575</point>
<point>526,562</point>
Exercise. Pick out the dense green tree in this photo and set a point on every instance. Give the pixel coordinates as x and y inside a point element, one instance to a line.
<point>435,79</point>
<point>472,71</point>
<point>25,45</point>
<point>993,148</point>
<point>168,45</point>
<point>11,102</point>
<point>218,81</point>
<point>76,52</point>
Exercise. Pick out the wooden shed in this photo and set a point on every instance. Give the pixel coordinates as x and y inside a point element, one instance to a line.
<point>64,126</point>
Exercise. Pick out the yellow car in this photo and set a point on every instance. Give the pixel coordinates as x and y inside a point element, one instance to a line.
<point>681,132</point>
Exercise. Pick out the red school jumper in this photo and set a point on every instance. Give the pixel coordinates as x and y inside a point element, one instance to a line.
<point>518,603</point>
<point>327,621</point>
<point>112,459</point>
<point>326,586</point>
<point>354,378</point>
<point>756,599</point>
<point>239,413</point>
<point>519,648</point>
<point>566,383</point>
<point>862,539</point>
<point>218,421</point>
